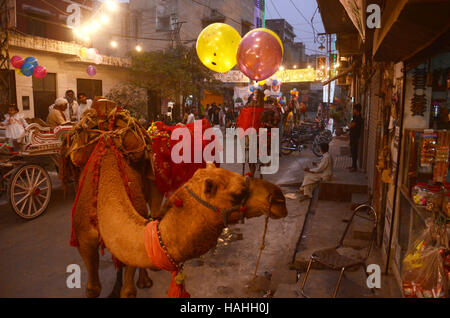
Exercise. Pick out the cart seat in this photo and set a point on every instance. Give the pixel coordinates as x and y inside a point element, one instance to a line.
<point>43,139</point>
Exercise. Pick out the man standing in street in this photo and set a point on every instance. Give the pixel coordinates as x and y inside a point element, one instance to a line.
<point>84,105</point>
<point>72,106</point>
<point>356,127</point>
<point>191,117</point>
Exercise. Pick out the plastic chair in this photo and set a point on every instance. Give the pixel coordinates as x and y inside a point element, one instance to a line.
<point>332,259</point>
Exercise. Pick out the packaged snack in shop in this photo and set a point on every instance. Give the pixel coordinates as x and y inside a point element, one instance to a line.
<point>440,169</point>
<point>424,274</point>
<point>428,149</point>
<point>419,194</point>
<point>434,198</point>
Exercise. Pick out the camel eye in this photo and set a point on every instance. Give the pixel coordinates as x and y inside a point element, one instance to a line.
<point>238,197</point>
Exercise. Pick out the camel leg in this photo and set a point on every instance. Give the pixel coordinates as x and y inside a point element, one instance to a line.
<point>89,253</point>
<point>115,293</point>
<point>144,281</point>
<point>128,289</point>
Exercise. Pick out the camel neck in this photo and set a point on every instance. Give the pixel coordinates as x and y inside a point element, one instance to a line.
<point>191,230</point>
<point>188,231</point>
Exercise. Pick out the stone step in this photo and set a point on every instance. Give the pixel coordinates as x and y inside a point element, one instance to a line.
<point>359,198</point>
<point>287,291</point>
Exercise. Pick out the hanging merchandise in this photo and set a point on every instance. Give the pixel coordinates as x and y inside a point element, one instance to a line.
<point>419,101</point>
<point>428,149</point>
<point>424,272</point>
<point>440,169</point>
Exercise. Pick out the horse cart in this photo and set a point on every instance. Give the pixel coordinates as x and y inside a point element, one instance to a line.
<point>24,174</point>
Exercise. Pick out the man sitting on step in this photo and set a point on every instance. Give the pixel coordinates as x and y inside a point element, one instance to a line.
<point>323,172</point>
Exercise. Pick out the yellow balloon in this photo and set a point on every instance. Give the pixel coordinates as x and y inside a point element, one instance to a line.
<point>19,72</point>
<point>217,46</point>
<point>83,52</point>
<point>262,83</point>
<point>271,32</point>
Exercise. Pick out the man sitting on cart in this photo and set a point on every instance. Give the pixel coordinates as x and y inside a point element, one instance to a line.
<point>56,116</point>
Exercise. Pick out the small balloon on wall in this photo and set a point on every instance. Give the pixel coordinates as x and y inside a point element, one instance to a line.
<point>31,60</point>
<point>17,61</point>
<point>27,69</point>
<point>40,71</point>
<point>98,59</point>
<point>91,70</point>
<point>83,53</point>
<point>91,53</point>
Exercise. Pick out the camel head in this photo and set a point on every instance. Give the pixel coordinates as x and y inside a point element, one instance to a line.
<point>246,197</point>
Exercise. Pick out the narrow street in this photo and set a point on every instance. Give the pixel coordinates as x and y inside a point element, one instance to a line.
<point>132,91</point>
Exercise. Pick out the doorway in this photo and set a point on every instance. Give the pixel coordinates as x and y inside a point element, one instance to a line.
<point>44,95</point>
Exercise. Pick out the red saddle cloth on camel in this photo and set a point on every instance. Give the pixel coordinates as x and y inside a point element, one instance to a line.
<point>249,117</point>
<point>169,176</point>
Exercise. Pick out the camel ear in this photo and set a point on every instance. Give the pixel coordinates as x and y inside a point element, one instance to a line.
<point>210,165</point>
<point>210,187</point>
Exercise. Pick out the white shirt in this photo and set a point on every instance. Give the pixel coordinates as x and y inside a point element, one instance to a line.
<point>325,168</point>
<point>82,108</point>
<point>190,119</point>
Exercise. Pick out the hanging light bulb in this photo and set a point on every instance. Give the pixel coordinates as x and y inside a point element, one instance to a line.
<point>111,5</point>
<point>104,19</point>
<point>138,48</point>
<point>114,44</point>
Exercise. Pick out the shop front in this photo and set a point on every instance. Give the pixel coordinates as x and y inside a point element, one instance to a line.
<point>422,192</point>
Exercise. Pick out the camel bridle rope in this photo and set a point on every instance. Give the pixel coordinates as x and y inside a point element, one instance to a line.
<point>226,213</point>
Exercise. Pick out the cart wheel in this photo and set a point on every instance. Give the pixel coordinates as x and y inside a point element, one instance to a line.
<point>29,191</point>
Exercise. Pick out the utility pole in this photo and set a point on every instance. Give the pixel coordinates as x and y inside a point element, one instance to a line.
<point>5,74</point>
<point>176,38</point>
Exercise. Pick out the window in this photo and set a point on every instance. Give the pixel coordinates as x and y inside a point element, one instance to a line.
<point>7,82</point>
<point>91,88</point>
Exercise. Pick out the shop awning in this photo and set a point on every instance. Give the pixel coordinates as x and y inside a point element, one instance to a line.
<point>341,74</point>
<point>408,27</point>
<point>334,17</point>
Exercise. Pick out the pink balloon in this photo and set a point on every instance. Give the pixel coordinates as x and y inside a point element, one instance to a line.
<point>40,71</point>
<point>17,61</point>
<point>259,55</point>
<point>91,70</point>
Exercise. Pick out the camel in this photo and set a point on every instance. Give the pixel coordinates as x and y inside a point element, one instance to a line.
<point>75,153</point>
<point>188,231</point>
<point>140,187</point>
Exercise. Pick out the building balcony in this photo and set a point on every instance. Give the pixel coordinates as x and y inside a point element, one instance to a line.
<point>17,40</point>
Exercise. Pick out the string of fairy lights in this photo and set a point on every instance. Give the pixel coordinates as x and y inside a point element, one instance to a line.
<point>100,18</point>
